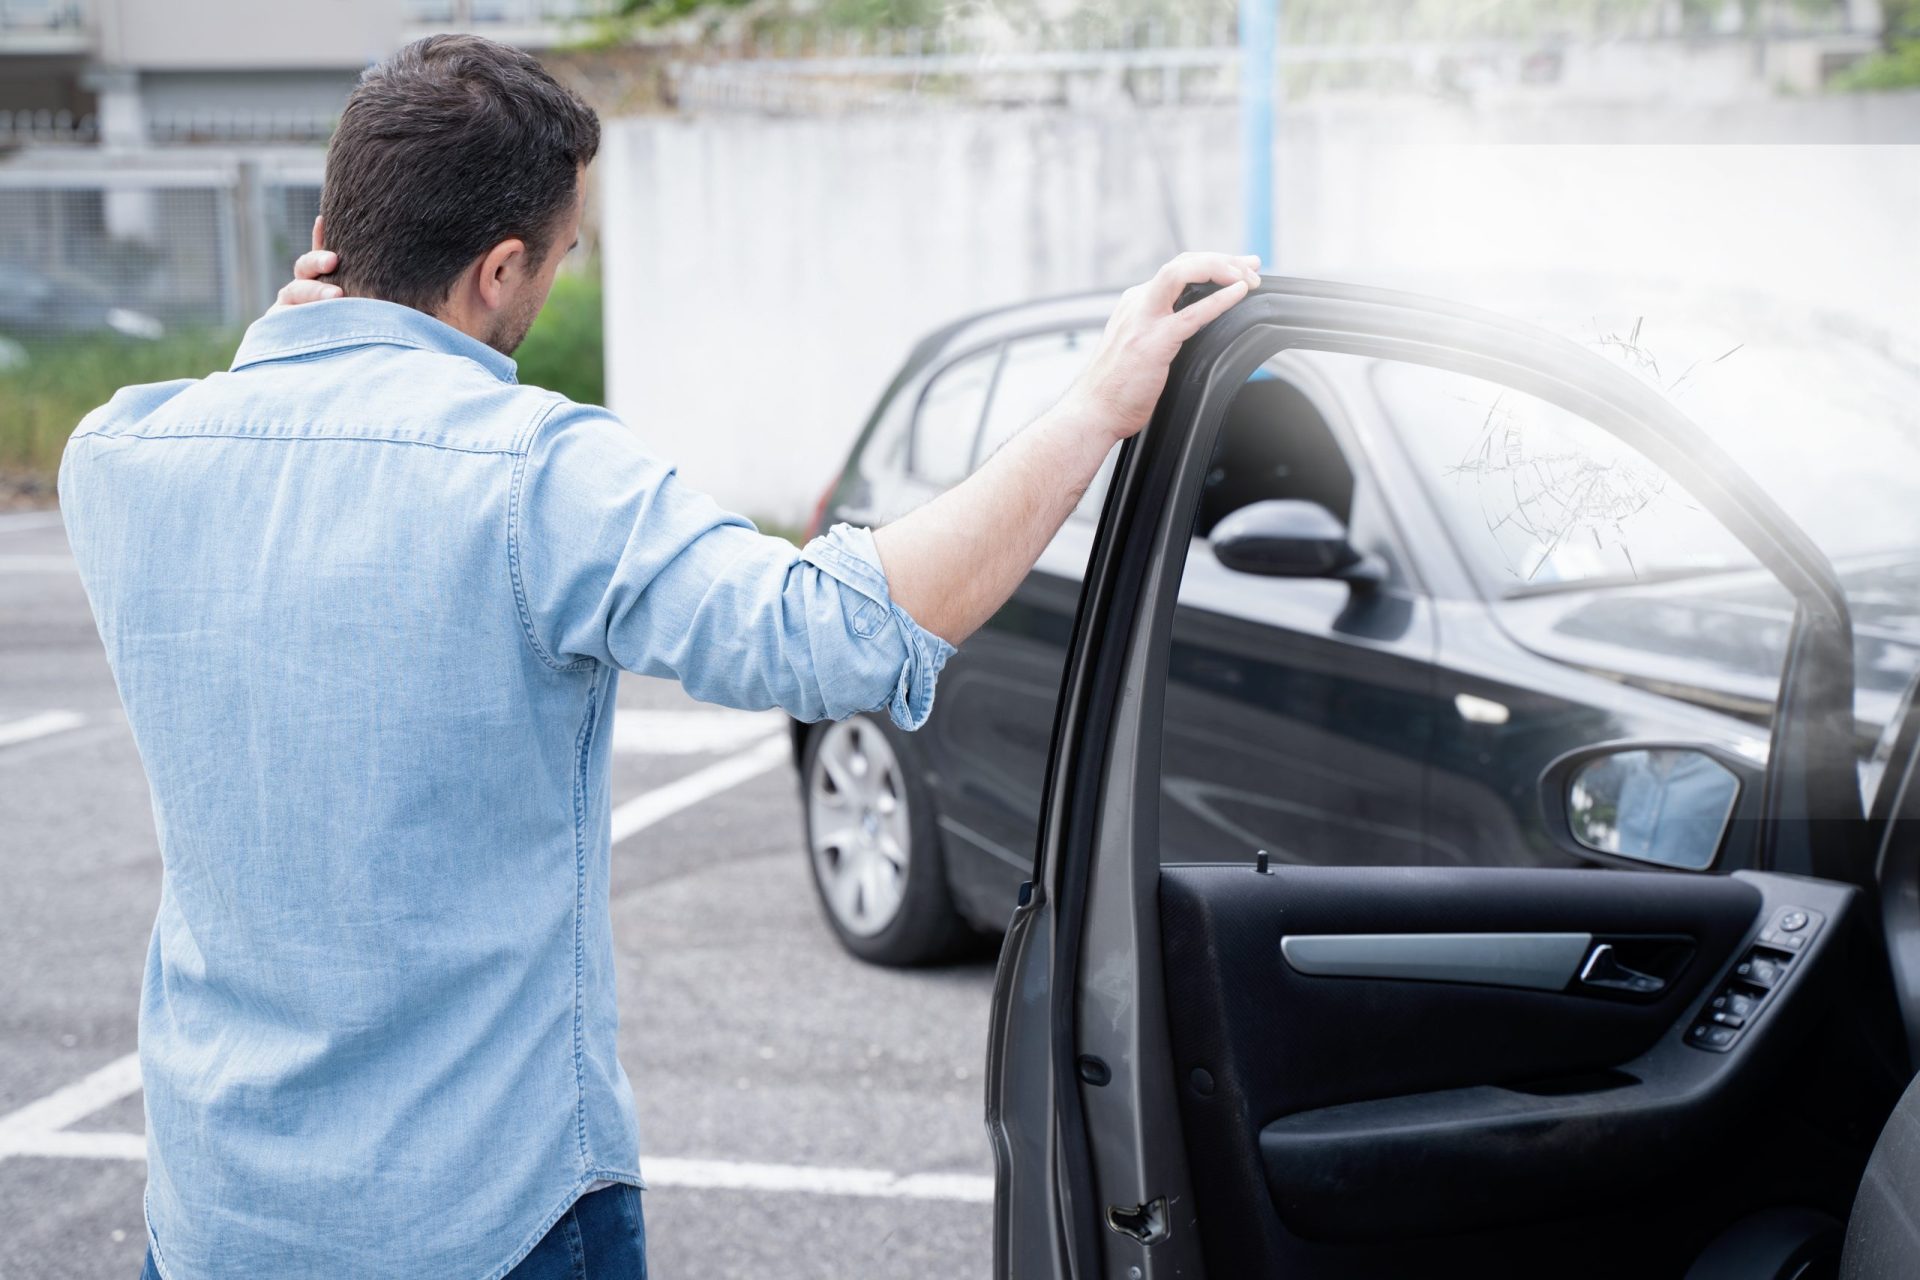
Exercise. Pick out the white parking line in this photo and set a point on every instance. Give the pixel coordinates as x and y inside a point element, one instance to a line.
<point>705,731</point>
<point>39,1129</point>
<point>77,1145</point>
<point>21,521</point>
<point>39,1120</point>
<point>819,1180</point>
<point>641,812</point>
<point>37,564</point>
<point>39,726</point>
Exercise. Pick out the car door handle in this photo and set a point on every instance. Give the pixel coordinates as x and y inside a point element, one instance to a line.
<point>1536,961</point>
<point>1603,969</point>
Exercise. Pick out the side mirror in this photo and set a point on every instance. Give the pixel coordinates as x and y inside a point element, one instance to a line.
<point>1290,538</point>
<point>1666,805</point>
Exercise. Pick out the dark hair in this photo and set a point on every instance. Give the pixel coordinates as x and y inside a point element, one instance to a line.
<point>450,146</point>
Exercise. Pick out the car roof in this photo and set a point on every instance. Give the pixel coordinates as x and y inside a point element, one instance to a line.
<point>1017,317</point>
<point>1556,303</point>
<point>1093,307</point>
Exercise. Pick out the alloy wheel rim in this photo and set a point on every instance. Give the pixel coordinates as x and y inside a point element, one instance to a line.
<point>857,826</point>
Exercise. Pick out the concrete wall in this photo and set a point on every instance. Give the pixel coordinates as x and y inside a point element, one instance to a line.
<point>765,277</point>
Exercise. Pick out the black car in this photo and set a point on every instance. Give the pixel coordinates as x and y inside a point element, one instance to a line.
<point>1468,1062</point>
<point>1410,589</point>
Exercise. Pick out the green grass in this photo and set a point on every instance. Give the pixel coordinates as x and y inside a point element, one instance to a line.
<point>1897,68</point>
<point>43,401</point>
<point>564,350</point>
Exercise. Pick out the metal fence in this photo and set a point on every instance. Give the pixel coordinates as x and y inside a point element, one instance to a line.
<point>148,253</point>
<point>483,13</point>
<point>1427,46</point>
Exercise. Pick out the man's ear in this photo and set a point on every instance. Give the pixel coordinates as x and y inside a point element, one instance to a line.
<point>500,270</point>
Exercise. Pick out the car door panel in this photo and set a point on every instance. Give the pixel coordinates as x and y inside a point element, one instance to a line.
<point>1366,1110</point>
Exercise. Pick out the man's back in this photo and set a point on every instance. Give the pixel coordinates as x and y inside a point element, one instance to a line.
<point>365,599</point>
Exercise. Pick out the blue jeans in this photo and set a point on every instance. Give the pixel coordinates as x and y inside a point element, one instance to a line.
<point>602,1237</point>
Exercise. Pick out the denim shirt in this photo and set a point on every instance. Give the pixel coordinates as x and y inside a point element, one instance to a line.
<point>365,598</point>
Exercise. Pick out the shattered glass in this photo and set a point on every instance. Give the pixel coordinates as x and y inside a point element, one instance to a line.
<point>1540,496</point>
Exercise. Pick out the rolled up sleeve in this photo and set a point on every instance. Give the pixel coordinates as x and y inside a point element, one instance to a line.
<point>615,559</point>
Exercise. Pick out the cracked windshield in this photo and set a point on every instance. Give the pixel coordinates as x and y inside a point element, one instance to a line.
<point>1541,501</point>
<point>1539,497</point>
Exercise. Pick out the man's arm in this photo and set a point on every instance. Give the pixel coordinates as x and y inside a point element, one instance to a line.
<point>953,562</point>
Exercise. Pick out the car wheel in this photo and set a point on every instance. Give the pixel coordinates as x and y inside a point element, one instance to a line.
<point>874,846</point>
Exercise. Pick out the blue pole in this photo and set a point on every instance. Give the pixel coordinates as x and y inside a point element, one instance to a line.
<point>1259,72</point>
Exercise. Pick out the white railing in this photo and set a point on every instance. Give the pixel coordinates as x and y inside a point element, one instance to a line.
<point>44,128</point>
<point>480,14</point>
<point>241,126</point>
<point>20,128</point>
<point>42,15</point>
<point>41,27</point>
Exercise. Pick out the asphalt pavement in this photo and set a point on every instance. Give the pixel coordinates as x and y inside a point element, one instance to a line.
<point>802,1114</point>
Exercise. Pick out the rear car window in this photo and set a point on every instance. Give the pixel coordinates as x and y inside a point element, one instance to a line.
<point>947,423</point>
<point>1034,375</point>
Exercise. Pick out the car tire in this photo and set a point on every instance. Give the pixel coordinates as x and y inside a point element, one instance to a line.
<point>873,845</point>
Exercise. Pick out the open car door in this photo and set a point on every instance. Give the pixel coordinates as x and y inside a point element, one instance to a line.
<point>1246,1068</point>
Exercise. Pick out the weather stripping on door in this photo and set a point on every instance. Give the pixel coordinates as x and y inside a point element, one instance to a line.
<point>1535,961</point>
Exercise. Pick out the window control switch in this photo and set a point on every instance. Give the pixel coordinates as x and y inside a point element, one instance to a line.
<point>1705,1035</point>
<point>1763,967</point>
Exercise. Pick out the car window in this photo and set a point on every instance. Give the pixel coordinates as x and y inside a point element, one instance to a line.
<point>947,424</point>
<point>1275,444</point>
<point>1333,716</point>
<point>1290,700</point>
<point>1036,372</point>
<point>1536,496</point>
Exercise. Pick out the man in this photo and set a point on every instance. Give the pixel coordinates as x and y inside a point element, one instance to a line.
<point>365,599</point>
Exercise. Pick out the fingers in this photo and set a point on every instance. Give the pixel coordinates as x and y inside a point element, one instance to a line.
<point>314,264</point>
<point>1200,268</point>
<point>298,291</point>
<point>318,231</point>
<point>306,285</point>
<point>1185,323</point>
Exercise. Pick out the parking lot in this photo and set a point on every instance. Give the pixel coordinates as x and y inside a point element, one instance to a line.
<point>801,1114</point>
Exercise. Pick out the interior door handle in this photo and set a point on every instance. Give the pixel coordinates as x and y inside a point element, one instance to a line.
<point>1603,969</point>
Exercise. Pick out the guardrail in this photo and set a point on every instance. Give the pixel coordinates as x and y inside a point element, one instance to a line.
<point>20,128</point>
<point>188,238</point>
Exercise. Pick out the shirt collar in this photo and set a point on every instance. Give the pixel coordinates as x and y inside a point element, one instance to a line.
<point>313,328</point>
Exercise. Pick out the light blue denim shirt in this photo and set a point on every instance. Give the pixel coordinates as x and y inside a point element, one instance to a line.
<point>365,598</point>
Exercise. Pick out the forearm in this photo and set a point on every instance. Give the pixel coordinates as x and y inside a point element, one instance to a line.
<point>953,562</point>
